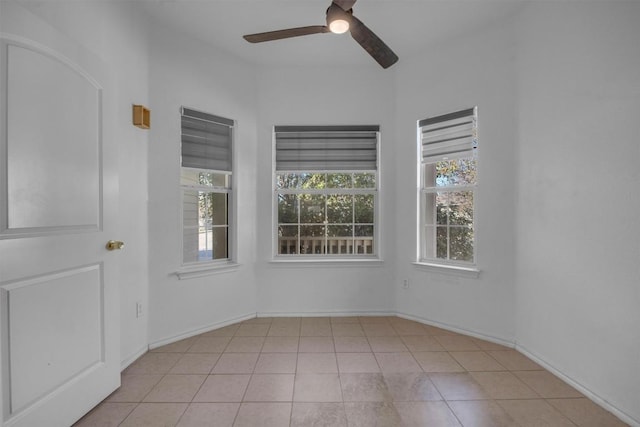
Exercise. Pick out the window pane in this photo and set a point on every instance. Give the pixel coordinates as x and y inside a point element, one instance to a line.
<point>213,208</point>
<point>217,179</point>
<point>288,239</point>
<point>339,208</point>
<point>219,243</point>
<point>428,208</point>
<point>340,230</point>
<point>461,243</point>
<point>364,239</point>
<point>461,208</point>
<point>340,239</point>
<point>205,222</point>
<point>190,209</point>
<point>455,172</point>
<point>442,209</point>
<point>311,231</point>
<point>326,211</point>
<point>312,239</point>
<point>312,180</point>
<point>363,205</point>
<point>364,230</point>
<point>312,208</point>
<point>189,177</point>
<point>288,180</point>
<point>205,243</point>
<point>441,242</point>
<point>287,208</point>
<point>364,180</point>
<point>195,177</point>
<point>339,180</point>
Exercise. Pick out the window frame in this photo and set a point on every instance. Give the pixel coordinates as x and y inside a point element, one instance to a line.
<point>425,238</point>
<point>209,190</point>
<point>190,269</point>
<point>327,257</point>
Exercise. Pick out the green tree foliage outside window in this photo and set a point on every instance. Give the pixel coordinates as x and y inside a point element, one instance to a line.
<point>449,185</point>
<point>327,209</point>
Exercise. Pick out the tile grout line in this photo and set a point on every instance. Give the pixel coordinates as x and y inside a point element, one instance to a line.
<point>450,353</point>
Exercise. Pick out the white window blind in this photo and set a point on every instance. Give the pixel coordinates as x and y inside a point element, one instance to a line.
<point>315,148</point>
<point>206,141</point>
<point>450,136</point>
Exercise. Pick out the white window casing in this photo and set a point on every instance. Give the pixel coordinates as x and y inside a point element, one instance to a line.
<point>325,193</point>
<point>207,193</point>
<point>448,147</point>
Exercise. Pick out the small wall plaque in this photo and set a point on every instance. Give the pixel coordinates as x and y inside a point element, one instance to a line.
<point>141,117</point>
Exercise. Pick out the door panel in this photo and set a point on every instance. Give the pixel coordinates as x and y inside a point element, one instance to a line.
<point>59,332</point>
<point>54,117</point>
<point>38,309</point>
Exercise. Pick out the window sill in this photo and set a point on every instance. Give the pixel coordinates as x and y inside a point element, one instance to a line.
<point>469,272</point>
<point>329,262</point>
<point>193,271</point>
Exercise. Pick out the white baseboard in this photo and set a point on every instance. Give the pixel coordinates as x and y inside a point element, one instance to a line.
<point>325,313</point>
<point>194,332</point>
<point>495,340</point>
<point>133,357</point>
<point>573,383</point>
<point>578,386</point>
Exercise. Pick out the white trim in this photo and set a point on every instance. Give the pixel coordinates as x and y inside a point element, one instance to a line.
<point>378,244</point>
<point>578,386</point>
<point>470,272</point>
<point>189,271</point>
<point>201,270</point>
<point>450,188</point>
<point>124,364</point>
<point>537,359</point>
<point>194,332</point>
<point>363,313</point>
<point>423,189</point>
<point>324,191</point>
<point>490,338</point>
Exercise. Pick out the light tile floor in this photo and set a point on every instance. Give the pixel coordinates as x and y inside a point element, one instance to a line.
<point>341,371</point>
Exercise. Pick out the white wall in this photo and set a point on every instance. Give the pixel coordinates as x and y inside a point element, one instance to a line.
<point>325,96</point>
<point>578,200</point>
<point>117,34</point>
<point>478,70</point>
<point>186,72</point>
<point>557,210</point>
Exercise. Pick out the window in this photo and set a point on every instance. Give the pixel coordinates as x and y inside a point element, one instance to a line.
<point>207,145</point>
<point>448,176</point>
<point>325,186</point>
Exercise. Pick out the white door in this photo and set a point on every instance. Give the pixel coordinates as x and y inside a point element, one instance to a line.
<point>59,332</point>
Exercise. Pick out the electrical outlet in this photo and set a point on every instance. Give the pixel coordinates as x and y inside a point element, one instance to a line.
<point>138,309</point>
<point>405,284</point>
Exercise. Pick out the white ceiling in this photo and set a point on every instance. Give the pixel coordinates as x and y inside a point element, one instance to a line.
<point>407,26</point>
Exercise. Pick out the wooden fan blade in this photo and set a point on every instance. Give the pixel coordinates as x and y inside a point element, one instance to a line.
<point>372,43</point>
<point>345,4</point>
<point>285,34</point>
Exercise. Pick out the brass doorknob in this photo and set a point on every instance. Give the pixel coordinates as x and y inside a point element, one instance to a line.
<point>112,245</point>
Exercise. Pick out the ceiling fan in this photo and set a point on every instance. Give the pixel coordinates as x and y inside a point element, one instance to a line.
<point>340,19</point>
